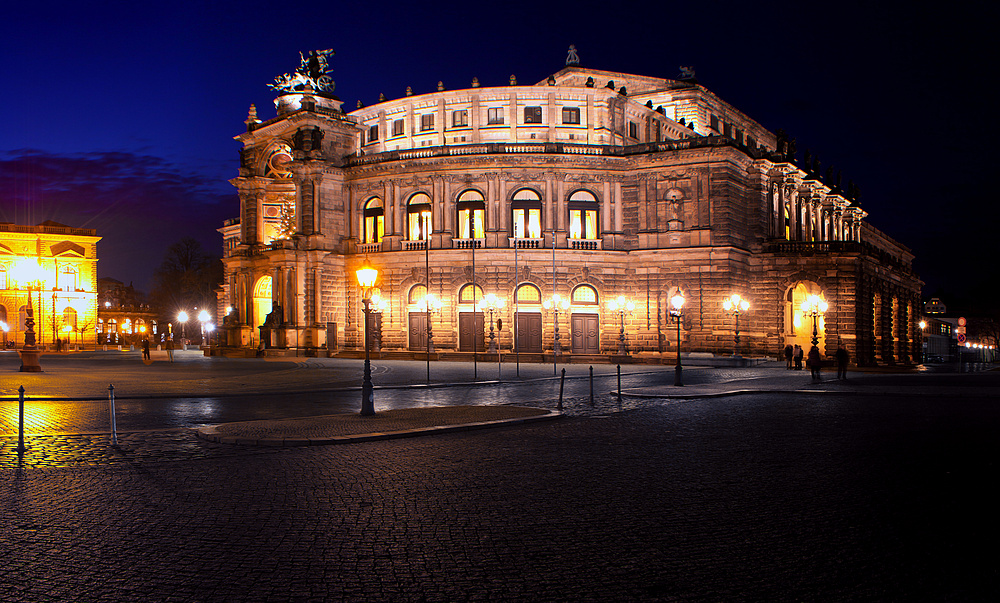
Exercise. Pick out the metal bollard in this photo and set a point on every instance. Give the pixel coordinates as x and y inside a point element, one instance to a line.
<point>591,385</point>
<point>619,388</point>
<point>20,421</point>
<point>111,405</point>
<point>562,381</point>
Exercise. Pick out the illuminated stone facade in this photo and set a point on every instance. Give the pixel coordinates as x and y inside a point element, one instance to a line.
<point>589,185</point>
<point>56,266</point>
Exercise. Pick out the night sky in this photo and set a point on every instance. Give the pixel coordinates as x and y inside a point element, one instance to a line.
<point>119,116</point>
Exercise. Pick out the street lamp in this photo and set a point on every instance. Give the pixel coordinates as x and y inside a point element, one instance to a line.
<point>431,304</point>
<point>492,304</point>
<point>814,306</point>
<point>182,317</point>
<point>923,342</point>
<point>622,305</point>
<point>366,280</point>
<point>203,317</point>
<point>734,304</point>
<point>676,305</point>
<point>555,303</point>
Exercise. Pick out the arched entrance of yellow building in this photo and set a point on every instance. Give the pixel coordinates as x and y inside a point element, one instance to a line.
<point>798,324</point>
<point>261,301</point>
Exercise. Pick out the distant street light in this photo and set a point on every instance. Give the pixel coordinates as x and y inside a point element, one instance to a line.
<point>182,317</point>
<point>735,304</point>
<point>492,304</point>
<point>676,310</point>
<point>622,305</point>
<point>555,303</point>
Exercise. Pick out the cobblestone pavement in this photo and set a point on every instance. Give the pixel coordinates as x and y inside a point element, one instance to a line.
<point>760,497</point>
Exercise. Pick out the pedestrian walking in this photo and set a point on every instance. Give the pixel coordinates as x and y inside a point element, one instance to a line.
<point>798,352</point>
<point>815,361</point>
<point>145,349</point>
<point>788,356</point>
<point>170,348</point>
<point>842,359</point>
<point>58,345</point>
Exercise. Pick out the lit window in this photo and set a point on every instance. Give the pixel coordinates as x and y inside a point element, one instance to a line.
<point>528,294</point>
<point>373,222</point>
<point>571,115</point>
<point>418,213</point>
<point>532,115</point>
<point>460,118</point>
<point>582,215</point>
<point>397,127</point>
<point>494,115</point>
<point>3,277</point>
<point>426,122</point>
<point>471,215</point>
<point>417,294</point>
<point>584,294</point>
<point>470,294</point>
<point>67,279</point>
<point>69,317</point>
<point>526,214</point>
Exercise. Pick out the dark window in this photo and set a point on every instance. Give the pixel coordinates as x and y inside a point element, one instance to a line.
<point>459,118</point>
<point>494,115</point>
<point>373,133</point>
<point>714,123</point>
<point>397,127</point>
<point>727,130</point>
<point>738,135</point>
<point>571,115</point>
<point>426,122</point>
<point>633,129</point>
<point>532,115</point>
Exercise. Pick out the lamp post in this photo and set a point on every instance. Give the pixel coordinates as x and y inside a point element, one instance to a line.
<point>555,303</point>
<point>366,280</point>
<point>622,305</point>
<point>203,317</point>
<point>431,304</point>
<point>734,304</point>
<point>492,304</point>
<point>923,342</point>
<point>182,317</point>
<point>814,306</point>
<point>676,310</point>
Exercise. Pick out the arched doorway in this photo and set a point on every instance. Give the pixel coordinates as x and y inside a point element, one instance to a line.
<point>261,300</point>
<point>798,324</point>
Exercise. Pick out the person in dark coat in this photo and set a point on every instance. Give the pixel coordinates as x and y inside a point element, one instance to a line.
<point>842,359</point>
<point>798,357</point>
<point>815,361</point>
<point>788,356</point>
<point>145,349</point>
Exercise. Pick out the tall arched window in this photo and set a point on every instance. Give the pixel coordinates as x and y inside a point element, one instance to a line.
<point>373,222</point>
<point>418,216</point>
<point>22,317</point>
<point>3,314</point>
<point>526,214</point>
<point>67,279</point>
<point>69,317</point>
<point>471,215</point>
<point>3,277</point>
<point>583,215</point>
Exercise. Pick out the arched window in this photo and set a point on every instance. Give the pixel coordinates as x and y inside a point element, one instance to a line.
<point>584,295</point>
<point>3,277</point>
<point>471,214</point>
<point>112,325</point>
<point>22,316</point>
<point>470,294</point>
<point>67,279</point>
<point>3,314</point>
<point>582,215</point>
<point>373,222</point>
<point>417,294</point>
<point>528,294</point>
<point>526,214</point>
<point>100,325</point>
<point>418,215</point>
<point>69,317</point>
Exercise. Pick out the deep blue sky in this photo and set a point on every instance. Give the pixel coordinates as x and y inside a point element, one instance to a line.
<point>120,116</point>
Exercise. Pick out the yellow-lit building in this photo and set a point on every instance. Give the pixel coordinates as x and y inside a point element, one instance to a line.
<point>56,267</point>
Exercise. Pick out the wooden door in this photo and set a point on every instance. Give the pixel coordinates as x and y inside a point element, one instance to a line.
<point>586,337</point>
<point>470,332</point>
<point>418,331</point>
<point>529,331</point>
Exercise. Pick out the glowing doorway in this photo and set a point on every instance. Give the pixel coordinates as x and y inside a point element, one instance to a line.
<point>261,300</point>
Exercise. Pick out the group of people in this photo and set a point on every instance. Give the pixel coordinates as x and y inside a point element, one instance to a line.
<point>794,355</point>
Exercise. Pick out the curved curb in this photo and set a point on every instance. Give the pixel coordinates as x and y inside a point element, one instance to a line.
<point>212,434</point>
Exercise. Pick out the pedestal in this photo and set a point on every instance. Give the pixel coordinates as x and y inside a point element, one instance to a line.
<point>29,360</point>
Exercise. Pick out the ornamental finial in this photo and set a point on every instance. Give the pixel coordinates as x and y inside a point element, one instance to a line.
<point>311,74</point>
<point>571,57</point>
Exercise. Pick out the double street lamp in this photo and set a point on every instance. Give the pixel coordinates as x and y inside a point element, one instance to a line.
<point>182,317</point>
<point>366,280</point>
<point>676,311</point>
<point>734,304</point>
<point>814,306</point>
<point>555,303</point>
<point>622,305</point>
<point>493,304</point>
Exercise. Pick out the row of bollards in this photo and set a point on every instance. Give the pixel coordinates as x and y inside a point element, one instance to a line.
<point>562,383</point>
<point>21,448</point>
